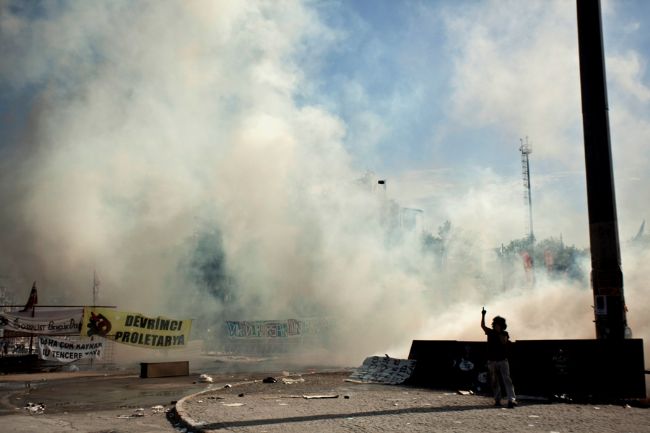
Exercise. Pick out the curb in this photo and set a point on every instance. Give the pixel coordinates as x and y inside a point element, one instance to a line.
<point>185,420</point>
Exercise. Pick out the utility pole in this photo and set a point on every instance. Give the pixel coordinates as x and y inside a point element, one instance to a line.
<point>606,274</point>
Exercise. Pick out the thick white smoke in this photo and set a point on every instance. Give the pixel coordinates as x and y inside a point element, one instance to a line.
<point>169,143</point>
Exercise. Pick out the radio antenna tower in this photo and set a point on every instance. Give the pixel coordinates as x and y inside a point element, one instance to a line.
<point>526,149</point>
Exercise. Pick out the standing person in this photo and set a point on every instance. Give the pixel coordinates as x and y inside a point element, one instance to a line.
<point>497,339</point>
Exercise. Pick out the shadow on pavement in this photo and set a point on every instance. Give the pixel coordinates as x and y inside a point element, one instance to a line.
<point>322,417</point>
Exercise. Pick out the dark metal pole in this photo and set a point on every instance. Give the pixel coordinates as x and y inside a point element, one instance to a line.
<point>606,274</point>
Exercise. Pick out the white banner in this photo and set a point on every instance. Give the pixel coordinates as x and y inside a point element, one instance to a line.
<point>60,321</point>
<point>57,349</point>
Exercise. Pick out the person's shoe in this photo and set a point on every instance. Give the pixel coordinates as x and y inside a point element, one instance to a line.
<point>497,403</point>
<point>512,404</point>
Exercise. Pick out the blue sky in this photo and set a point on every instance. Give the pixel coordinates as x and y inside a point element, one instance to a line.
<point>391,77</point>
<point>401,50</point>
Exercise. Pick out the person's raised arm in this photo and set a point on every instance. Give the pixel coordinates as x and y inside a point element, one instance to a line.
<point>485,328</point>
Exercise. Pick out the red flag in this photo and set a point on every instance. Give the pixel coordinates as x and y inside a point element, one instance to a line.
<point>33,299</point>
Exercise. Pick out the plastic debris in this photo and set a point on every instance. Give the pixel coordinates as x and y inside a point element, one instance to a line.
<point>533,416</point>
<point>35,408</point>
<point>137,413</point>
<point>204,378</point>
<point>232,404</point>
<point>317,396</point>
<point>462,392</point>
<point>289,381</point>
<point>227,385</point>
<point>269,380</point>
<point>157,409</point>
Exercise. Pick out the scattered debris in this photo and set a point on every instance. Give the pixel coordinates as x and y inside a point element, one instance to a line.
<point>204,378</point>
<point>316,396</point>
<point>563,398</point>
<point>596,407</point>
<point>289,381</point>
<point>215,397</point>
<point>269,380</point>
<point>137,413</point>
<point>533,416</point>
<point>377,369</point>
<point>232,404</point>
<point>157,409</point>
<point>346,397</point>
<point>199,401</point>
<point>462,392</point>
<point>241,395</point>
<point>227,385</point>
<point>35,408</point>
<point>275,397</point>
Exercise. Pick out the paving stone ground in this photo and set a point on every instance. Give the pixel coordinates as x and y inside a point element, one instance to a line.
<point>98,403</point>
<point>280,407</point>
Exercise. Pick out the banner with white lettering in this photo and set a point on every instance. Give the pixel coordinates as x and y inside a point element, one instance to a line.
<point>136,329</point>
<point>59,321</point>
<point>284,328</point>
<point>57,349</point>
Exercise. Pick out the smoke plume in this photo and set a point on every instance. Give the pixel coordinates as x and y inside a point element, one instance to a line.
<point>175,148</point>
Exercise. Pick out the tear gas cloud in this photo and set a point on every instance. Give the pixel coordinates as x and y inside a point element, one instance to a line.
<point>173,147</point>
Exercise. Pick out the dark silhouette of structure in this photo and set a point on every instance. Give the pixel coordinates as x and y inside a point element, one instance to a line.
<point>606,274</point>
